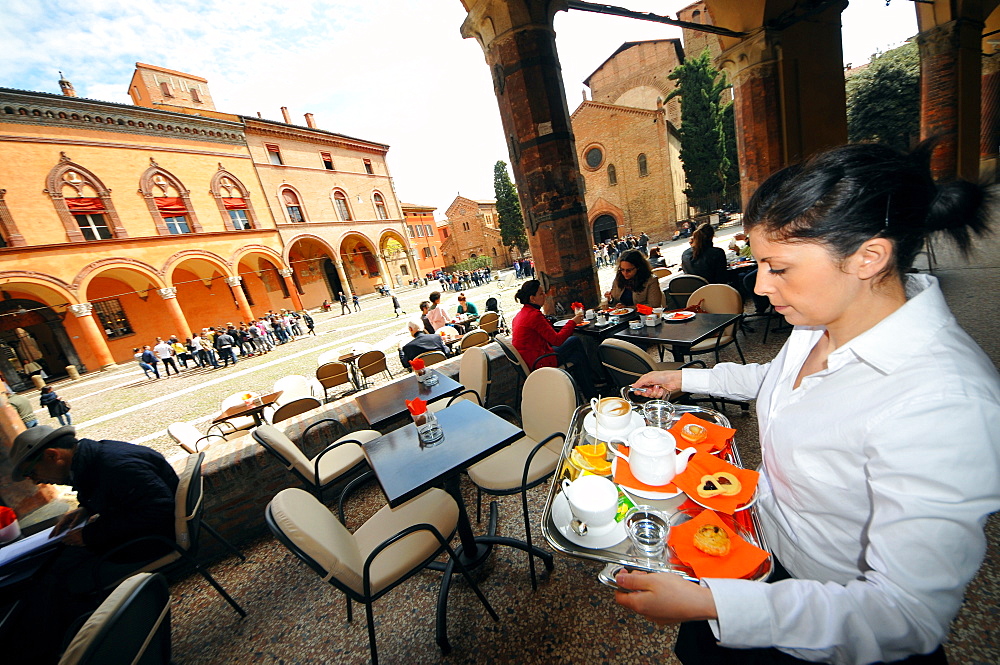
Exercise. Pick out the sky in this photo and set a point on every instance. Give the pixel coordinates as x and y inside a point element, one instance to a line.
<point>391,71</point>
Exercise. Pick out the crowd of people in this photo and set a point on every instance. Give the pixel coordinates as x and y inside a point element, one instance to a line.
<point>606,253</point>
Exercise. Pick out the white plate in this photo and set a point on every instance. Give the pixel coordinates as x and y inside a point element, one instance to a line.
<point>562,516</point>
<point>590,426</point>
<point>677,317</point>
<point>620,311</point>
<point>642,494</point>
<point>753,500</point>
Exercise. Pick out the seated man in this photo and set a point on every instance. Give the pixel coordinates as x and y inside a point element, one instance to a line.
<point>125,492</point>
<point>422,342</point>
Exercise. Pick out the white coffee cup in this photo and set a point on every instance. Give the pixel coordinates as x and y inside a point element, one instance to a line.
<point>651,319</point>
<point>601,319</point>
<point>589,315</point>
<point>657,311</point>
<point>611,413</point>
<point>593,500</point>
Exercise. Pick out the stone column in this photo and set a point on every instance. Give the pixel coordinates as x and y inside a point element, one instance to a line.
<point>950,79</point>
<point>989,141</point>
<point>293,291</point>
<point>342,274</point>
<point>240,297</point>
<point>169,296</point>
<point>519,43</point>
<point>784,107</point>
<point>383,268</point>
<point>92,335</point>
<point>412,262</point>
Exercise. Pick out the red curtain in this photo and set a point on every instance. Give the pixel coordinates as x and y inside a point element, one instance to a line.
<point>83,204</point>
<point>234,204</point>
<point>170,205</point>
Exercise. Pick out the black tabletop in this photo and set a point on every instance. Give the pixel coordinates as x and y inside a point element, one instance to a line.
<point>388,401</point>
<point>688,332</point>
<point>405,469</point>
<point>600,332</point>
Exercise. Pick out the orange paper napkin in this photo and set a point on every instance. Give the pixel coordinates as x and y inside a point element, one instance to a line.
<point>718,436</point>
<point>703,464</point>
<point>743,557</point>
<point>623,476</point>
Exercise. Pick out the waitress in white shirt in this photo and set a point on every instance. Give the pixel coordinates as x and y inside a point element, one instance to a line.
<point>879,424</point>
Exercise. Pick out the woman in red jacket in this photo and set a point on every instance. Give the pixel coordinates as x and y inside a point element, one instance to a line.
<point>533,336</point>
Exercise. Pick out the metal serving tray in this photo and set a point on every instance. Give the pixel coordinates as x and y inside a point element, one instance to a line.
<point>622,555</point>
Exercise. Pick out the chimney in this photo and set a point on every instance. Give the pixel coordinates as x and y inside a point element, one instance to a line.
<point>309,121</point>
<point>284,114</point>
<point>66,86</point>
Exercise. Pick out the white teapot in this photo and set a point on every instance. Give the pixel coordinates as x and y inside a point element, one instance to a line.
<point>652,456</point>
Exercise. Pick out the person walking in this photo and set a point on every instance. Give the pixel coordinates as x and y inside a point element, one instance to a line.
<point>396,306</point>
<point>150,359</point>
<point>166,356</point>
<point>224,344</point>
<point>310,324</point>
<point>58,409</point>
<point>344,309</point>
<point>146,367</point>
<point>357,304</point>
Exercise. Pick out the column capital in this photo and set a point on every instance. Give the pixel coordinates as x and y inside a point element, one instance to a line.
<point>234,281</point>
<point>286,272</point>
<point>168,293</point>
<point>81,310</point>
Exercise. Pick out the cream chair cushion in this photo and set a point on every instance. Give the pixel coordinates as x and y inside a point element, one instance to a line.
<point>503,470</point>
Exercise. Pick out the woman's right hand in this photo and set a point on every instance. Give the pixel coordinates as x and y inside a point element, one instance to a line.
<point>657,385</point>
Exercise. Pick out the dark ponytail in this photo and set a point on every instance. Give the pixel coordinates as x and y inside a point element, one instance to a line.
<point>845,196</point>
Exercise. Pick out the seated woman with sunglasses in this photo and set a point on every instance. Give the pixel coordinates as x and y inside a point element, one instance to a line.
<point>634,284</point>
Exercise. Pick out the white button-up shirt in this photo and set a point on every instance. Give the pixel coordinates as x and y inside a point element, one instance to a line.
<point>877,476</point>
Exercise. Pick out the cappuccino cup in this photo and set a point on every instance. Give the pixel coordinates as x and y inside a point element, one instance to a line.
<point>593,501</point>
<point>613,413</point>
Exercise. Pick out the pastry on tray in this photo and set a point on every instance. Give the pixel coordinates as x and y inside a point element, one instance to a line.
<point>694,432</point>
<point>712,540</point>
<point>722,482</point>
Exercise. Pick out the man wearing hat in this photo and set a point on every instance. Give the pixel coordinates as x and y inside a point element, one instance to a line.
<point>125,492</point>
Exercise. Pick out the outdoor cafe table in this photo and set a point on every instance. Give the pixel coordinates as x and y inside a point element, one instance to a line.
<point>682,335</point>
<point>386,402</point>
<point>254,410</point>
<point>600,333</point>
<point>405,468</point>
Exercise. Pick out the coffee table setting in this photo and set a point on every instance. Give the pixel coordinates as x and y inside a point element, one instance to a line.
<point>656,487</point>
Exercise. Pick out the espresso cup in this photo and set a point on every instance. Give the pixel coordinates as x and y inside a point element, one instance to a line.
<point>612,413</point>
<point>593,500</point>
<point>589,315</point>
<point>601,319</point>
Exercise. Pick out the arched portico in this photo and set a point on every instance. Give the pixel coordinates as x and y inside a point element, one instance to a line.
<point>397,257</point>
<point>361,263</point>
<point>315,272</point>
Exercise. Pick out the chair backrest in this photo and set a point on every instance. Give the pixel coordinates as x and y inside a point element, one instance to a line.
<point>308,528</point>
<point>295,408</point>
<point>548,401</point>
<point>513,355</point>
<point>132,625</point>
<point>492,304</point>
<point>682,286</point>
<point>187,503</point>
<point>489,322</point>
<point>474,372</point>
<point>333,374</point>
<point>661,272</point>
<point>431,357</point>
<point>189,438</point>
<point>474,338</point>
<point>293,387</point>
<point>719,299</point>
<point>372,362</point>
<point>283,448</point>
<point>327,356</point>
<point>625,362</point>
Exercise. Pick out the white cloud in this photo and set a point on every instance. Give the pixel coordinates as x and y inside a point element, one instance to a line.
<point>391,71</point>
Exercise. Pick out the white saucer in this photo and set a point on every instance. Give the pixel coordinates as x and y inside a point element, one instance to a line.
<point>590,426</point>
<point>562,516</point>
<point>753,500</point>
<point>642,494</point>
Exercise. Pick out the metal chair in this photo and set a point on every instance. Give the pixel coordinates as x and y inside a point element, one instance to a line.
<point>371,363</point>
<point>489,323</point>
<point>680,289</point>
<point>293,387</point>
<point>473,338</point>
<point>493,305</point>
<point>392,546</point>
<point>190,439</point>
<point>661,272</point>
<point>188,523</point>
<point>333,374</point>
<point>548,401</point>
<point>329,356</point>
<point>132,625</point>
<point>625,362</point>
<point>335,463</point>
<point>294,408</point>
<point>718,299</point>
<point>234,424</point>
<point>515,358</point>
<point>431,357</point>
<point>474,374</point>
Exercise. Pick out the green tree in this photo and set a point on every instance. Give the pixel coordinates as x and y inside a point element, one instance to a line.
<point>512,233</point>
<point>703,136</point>
<point>883,99</point>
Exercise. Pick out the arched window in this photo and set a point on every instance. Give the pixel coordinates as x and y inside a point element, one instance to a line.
<point>233,200</point>
<point>380,211</point>
<point>612,175</point>
<point>292,206</point>
<point>643,170</point>
<point>83,203</point>
<point>340,202</point>
<point>169,201</point>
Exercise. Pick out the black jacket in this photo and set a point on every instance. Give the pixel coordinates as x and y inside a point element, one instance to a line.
<point>711,264</point>
<point>422,343</point>
<point>131,487</point>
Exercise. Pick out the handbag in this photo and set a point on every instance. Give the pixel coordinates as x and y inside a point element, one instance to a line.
<point>65,406</point>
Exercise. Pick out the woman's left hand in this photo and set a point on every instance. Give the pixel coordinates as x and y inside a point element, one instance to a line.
<point>665,598</point>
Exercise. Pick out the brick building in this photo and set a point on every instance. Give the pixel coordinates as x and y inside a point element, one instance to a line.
<point>628,146</point>
<point>424,237</point>
<point>473,229</point>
